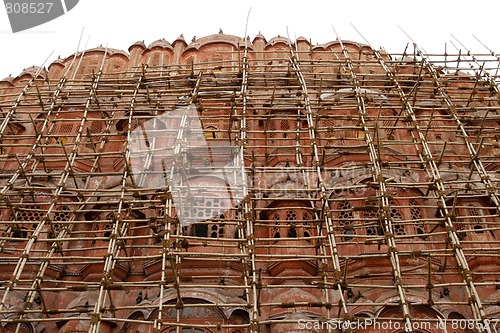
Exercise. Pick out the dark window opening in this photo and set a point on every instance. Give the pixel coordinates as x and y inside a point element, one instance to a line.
<point>217,230</point>
<point>396,216</point>
<point>292,232</point>
<point>416,215</point>
<point>237,234</point>
<point>276,231</point>
<point>200,230</point>
<point>295,223</point>
<point>20,233</point>
<point>371,231</point>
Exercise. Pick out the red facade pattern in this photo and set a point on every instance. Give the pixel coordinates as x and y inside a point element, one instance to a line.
<point>370,201</point>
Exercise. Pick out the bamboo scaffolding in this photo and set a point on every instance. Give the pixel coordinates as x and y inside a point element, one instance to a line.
<point>388,161</point>
<point>458,250</point>
<point>323,195</point>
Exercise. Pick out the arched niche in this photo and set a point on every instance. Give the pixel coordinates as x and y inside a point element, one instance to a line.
<point>211,210</point>
<point>289,219</point>
<point>135,323</point>
<point>289,229</point>
<point>26,212</point>
<point>63,130</point>
<point>199,314</point>
<point>283,130</point>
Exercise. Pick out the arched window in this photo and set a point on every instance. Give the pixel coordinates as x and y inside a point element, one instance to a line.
<point>136,122</point>
<point>188,330</point>
<point>24,219</point>
<point>11,136</point>
<point>341,129</point>
<point>440,130</point>
<point>135,324</point>
<point>416,216</point>
<point>345,218</point>
<point>191,316</point>
<point>104,224</point>
<point>88,66</point>
<point>62,214</point>
<point>454,318</point>
<point>28,216</point>
<point>386,123</point>
<point>372,218</point>
<point>93,134</point>
<point>290,223</point>
<point>290,217</point>
<point>284,125</point>
<point>155,59</point>
<point>239,217</point>
<point>102,219</point>
<point>159,218</point>
<point>209,213</point>
<point>217,229</point>
<point>279,126</point>
<point>20,224</point>
<point>397,219</point>
<point>474,218</point>
<point>21,328</point>
<point>60,135</point>
<point>199,230</point>
<point>276,230</point>
<point>307,225</point>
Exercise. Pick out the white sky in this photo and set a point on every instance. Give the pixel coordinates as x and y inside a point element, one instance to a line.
<point>119,23</point>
